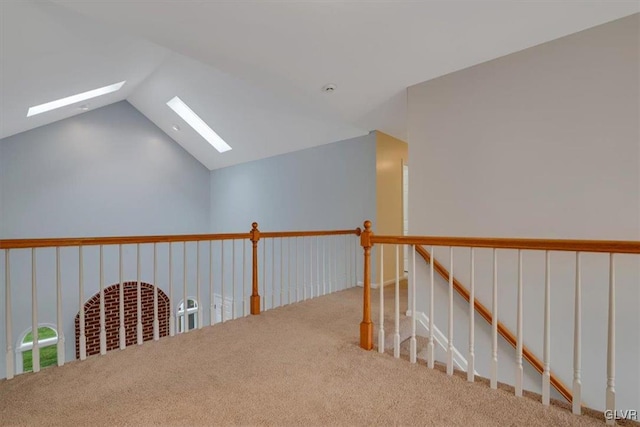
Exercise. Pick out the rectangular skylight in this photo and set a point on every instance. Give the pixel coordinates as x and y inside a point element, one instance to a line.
<point>198,124</point>
<point>42,108</point>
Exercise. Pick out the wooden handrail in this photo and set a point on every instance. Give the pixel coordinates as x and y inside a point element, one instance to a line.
<point>128,240</point>
<point>115,240</point>
<point>607,246</point>
<point>502,329</point>
<point>272,234</point>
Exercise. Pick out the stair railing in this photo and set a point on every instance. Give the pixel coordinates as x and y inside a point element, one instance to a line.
<point>611,247</point>
<point>148,287</point>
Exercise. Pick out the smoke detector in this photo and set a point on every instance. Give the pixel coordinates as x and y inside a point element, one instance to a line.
<point>329,88</point>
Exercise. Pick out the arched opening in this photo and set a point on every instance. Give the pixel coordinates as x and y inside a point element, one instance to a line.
<point>47,343</point>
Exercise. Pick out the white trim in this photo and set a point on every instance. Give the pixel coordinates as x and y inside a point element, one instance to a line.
<point>439,339</point>
<point>386,283</point>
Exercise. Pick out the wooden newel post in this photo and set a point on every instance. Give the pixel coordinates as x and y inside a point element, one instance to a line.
<point>366,327</point>
<point>255,296</point>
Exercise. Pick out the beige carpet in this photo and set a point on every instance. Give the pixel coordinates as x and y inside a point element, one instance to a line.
<point>296,365</point>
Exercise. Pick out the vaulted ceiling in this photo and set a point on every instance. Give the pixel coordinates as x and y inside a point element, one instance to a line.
<point>253,70</point>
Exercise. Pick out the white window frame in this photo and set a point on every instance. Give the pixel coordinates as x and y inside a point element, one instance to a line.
<point>190,311</point>
<point>22,347</point>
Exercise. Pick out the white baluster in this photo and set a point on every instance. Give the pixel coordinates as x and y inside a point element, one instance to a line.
<point>59,319</point>
<point>224,301</point>
<point>450,331</point>
<point>185,296</point>
<point>264,274</point>
<point>103,328</point>
<point>198,287</point>
<point>311,268</point>
<point>317,266</point>
<point>8,316</point>
<point>471,357</point>
<point>83,337</point>
<point>412,342</point>
<point>281,271</point>
<point>577,337</point>
<point>172,322</point>
<point>289,270</point>
<point>233,279</point>
<point>494,325</point>
<point>139,296</point>
<point>519,367</point>
<point>610,404</point>
<point>546,374</point>
<point>273,273</point>
<point>431,358</point>
<point>304,269</point>
<point>324,267</point>
<point>381,328</point>
<point>335,265</point>
<point>121,330</point>
<point>156,322</point>
<point>212,300</point>
<point>244,281</point>
<point>35,352</point>
<point>297,280</point>
<point>396,310</point>
<point>347,257</point>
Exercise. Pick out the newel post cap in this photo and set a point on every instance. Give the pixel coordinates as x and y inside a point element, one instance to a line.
<point>255,233</point>
<point>365,236</point>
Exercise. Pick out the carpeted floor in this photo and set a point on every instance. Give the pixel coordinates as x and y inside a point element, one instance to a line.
<point>295,365</point>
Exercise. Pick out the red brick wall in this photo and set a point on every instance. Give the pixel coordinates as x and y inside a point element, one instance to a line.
<point>112,316</point>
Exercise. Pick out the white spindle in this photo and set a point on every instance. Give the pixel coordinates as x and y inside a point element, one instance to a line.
<point>471,357</point>
<point>273,273</point>
<point>381,328</point>
<point>103,328</point>
<point>121,330</point>
<point>577,337</point>
<point>519,367</point>
<point>156,322</point>
<point>324,267</point>
<point>59,319</point>
<point>396,311</point>
<point>139,296</point>
<point>412,342</point>
<point>233,279</point>
<point>35,352</point>
<point>450,320</point>
<point>264,274</point>
<point>83,337</point>
<point>172,324</point>
<point>198,287</point>
<point>494,324</point>
<point>244,274</point>
<point>317,266</point>
<point>311,267</point>
<point>347,257</point>
<point>281,271</point>
<point>185,295</point>
<point>335,264</point>
<point>431,358</point>
<point>289,270</point>
<point>297,280</point>
<point>224,301</point>
<point>212,300</point>
<point>546,374</point>
<point>610,404</point>
<point>304,269</point>
<point>8,316</point>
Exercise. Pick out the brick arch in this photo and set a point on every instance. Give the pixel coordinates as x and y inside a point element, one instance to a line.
<point>112,316</point>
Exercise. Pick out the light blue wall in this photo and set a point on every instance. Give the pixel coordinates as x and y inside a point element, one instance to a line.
<point>106,172</point>
<point>328,187</point>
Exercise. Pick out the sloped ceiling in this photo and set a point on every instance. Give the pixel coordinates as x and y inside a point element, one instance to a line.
<point>253,70</point>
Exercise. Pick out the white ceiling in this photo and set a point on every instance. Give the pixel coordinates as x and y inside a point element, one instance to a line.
<point>253,69</point>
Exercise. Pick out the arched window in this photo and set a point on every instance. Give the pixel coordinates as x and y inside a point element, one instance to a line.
<point>192,313</point>
<point>47,342</point>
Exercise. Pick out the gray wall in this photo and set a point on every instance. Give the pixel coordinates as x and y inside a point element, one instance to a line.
<point>541,143</point>
<point>323,188</point>
<point>106,172</point>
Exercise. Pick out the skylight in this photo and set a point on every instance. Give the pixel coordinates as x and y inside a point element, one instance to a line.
<point>198,124</point>
<point>42,108</point>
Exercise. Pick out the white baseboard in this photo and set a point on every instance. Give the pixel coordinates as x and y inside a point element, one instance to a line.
<point>386,283</point>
